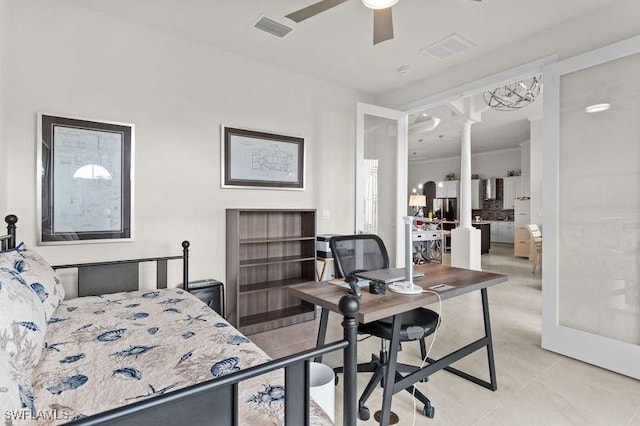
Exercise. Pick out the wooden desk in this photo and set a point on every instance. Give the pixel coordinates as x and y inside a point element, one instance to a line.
<point>374,307</point>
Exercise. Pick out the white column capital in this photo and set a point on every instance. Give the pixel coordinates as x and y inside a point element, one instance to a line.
<point>468,122</point>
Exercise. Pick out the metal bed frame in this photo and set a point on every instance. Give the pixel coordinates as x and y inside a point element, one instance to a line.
<point>215,402</point>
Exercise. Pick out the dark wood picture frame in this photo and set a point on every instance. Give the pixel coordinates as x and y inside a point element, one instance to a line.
<point>101,153</point>
<point>255,159</point>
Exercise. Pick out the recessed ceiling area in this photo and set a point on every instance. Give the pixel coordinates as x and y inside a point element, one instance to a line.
<point>336,45</point>
<point>496,130</point>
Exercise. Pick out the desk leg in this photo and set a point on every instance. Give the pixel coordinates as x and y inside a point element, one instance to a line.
<point>390,378</point>
<point>487,332</point>
<point>322,331</point>
<point>487,341</point>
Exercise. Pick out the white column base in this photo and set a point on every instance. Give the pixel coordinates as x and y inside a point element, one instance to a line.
<point>465,248</point>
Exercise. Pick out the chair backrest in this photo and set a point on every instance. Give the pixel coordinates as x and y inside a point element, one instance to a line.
<point>535,233</point>
<point>356,253</point>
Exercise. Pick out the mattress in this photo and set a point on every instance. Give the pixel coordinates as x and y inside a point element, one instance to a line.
<point>103,352</point>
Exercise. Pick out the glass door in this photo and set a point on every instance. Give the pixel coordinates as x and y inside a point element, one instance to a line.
<point>381,176</point>
<point>591,231</point>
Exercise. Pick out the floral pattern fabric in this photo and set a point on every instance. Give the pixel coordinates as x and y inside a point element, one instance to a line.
<point>22,319</point>
<point>107,351</point>
<point>37,274</point>
<point>15,389</point>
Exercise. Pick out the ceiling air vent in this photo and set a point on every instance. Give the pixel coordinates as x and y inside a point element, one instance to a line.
<point>272,27</point>
<point>447,47</point>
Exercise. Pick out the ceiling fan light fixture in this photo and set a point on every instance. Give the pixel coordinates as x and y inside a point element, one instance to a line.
<point>379,4</point>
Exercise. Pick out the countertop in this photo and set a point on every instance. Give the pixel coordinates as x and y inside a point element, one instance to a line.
<point>473,222</point>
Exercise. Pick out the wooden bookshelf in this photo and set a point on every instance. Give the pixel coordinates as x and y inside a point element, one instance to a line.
<point>268,250</point>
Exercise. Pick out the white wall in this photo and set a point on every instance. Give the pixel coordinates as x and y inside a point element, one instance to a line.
<point>67,60</point>
<point>486,165</point>
<point>4,46</point>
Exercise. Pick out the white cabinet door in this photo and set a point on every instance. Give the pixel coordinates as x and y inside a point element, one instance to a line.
<point>452,188</point>
<point>475,194</point>
<point>508,191</point>
<point>505,232</point>
<point>522,214</point>
<point>493,227</point>
<point>526,186</point>
<point>447,189</point>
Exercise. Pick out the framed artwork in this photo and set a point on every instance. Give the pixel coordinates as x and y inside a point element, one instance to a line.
<point>85,180</point>
<point>253,159</point>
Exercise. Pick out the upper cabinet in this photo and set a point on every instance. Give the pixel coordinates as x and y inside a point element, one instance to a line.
<point>526,186</point>
<point>447,189</point>
<point>509,191</point>
<point>514,187</point>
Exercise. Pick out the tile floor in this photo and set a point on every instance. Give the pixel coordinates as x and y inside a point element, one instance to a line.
<point>535,387</point>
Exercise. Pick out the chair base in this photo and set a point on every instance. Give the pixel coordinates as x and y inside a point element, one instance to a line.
<point>378,366</point>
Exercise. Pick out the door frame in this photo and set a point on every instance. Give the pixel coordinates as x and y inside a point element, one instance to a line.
<point>605,352</point>
<point>519,72</point>
<point>402,199</point>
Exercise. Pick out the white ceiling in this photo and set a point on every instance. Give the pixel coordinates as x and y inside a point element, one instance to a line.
<point>496,130</point>
<point>337,45</point>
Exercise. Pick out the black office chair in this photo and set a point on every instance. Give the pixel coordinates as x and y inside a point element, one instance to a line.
<point>365,252</point>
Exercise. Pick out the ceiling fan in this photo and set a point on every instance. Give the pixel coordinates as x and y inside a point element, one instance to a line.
<point>382,18</point>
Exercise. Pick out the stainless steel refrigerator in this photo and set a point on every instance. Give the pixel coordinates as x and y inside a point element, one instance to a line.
<point>445,208</point>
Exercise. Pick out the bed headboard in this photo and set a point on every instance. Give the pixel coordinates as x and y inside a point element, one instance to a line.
<point>8,241</point>
<point>111,276</point>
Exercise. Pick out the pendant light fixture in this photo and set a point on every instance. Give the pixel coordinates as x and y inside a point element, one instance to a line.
<point>379,4</point>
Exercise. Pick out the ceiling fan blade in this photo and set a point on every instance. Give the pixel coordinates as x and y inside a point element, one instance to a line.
<point>382,25</point>
<point>314,9</point>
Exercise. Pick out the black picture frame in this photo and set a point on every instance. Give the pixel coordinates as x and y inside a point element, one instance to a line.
<point>256,159</point>
<point>85,180</point>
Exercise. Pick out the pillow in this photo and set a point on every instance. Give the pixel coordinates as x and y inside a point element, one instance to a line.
<point>15,388</point>
<point>38,275</point>
<point>22,319</point>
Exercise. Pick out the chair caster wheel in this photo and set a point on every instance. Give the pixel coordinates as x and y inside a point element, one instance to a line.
<point>429,411</point>
<point>425,380</point>
<point>364,413</point>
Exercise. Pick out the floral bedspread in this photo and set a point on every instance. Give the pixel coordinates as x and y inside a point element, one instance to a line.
<point>107,351</point>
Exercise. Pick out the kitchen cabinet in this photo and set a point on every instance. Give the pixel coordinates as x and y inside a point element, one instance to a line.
<point>526,186</point>
<point>505,232</point>
<point>493,234</point>
<point>447,189</point>
<point>476,202</point>
<point>510,187</point>
<point>521,241</point>
<point>515,187</point>
<point>522,212</point>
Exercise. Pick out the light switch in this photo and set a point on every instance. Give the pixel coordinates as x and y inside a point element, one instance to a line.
<point>325,213</point>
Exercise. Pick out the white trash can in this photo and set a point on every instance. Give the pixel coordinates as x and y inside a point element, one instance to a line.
<point>322,384</point>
